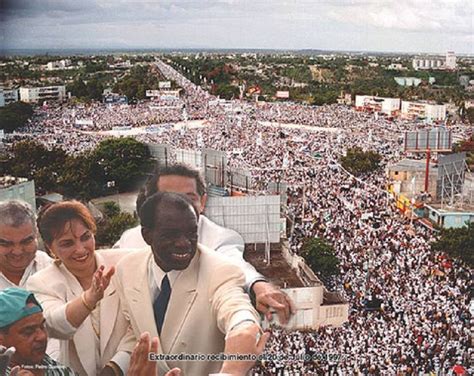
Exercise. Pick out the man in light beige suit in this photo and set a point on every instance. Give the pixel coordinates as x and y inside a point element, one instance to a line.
<point>205,296</point>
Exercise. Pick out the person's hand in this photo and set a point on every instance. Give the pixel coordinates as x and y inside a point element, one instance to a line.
<point>247,340</point>
<point>269,297</point>
<point>100,282</point>
<point>174,372</point>
<point>139,363</point>
<point>5,357</point>
<point>17,371</point>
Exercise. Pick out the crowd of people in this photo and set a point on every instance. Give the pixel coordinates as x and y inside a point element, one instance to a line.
<point>423,324</point>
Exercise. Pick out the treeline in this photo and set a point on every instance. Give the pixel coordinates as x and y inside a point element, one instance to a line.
<point>138,80</point>
<point>359,162</point>
<point>115,165</point>
<point>457,243</point>
<point>323,80</point>
<point>14,116</point>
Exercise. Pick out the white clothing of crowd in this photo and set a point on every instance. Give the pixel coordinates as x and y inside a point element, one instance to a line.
<point>424,324</point>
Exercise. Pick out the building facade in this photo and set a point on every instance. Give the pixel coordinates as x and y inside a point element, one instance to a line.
<point>388,106</point>
<point>427,63</point>
<point>425,110</point>
<point>449,63</point>
<point>450,217</point>
<point>40,94</point>
<point>451,60</point>
<point>8,96</point>
<point>407,81</point>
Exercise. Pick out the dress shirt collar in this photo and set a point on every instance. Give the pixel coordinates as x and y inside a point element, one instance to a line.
<point>156,275</point>
<point>29,271</point>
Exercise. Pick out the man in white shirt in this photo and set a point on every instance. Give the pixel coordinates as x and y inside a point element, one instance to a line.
<point>180,178</point>
<point>19,255</point>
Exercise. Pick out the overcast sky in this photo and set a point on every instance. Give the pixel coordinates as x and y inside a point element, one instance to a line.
<point>362,25</point>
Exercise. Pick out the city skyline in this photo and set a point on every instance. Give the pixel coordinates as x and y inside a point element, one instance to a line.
<point>341,25</point>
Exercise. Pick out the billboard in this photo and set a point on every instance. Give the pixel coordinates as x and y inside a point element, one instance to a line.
<point>283,94</point>
<point>214,158</point>
<point>278,188</point>
<point>435,139</point>
<point>164,84</point>
<point>239,178</point>
<point>163,94</point>
<point>84,122</point>
<point>189,157</point>
<point>451,174</point>
<point>161,152</point>
<point>214,164</point>
<point>256,218</point>
<point>115,99</point>
<point>152,93</point>
<point>169,94</point>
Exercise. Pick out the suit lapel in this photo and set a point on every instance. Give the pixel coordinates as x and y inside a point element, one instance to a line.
<point>183,296</point>
<point>141,305</point>
<point>109,307</point>
<point>85,350</point>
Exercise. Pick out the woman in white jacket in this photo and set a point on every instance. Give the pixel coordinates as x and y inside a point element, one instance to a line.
<point>78,294</point>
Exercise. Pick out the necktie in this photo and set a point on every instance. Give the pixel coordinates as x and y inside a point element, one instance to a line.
<point>161,303</point>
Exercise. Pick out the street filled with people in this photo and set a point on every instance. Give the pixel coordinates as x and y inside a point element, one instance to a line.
<point>422,324</point>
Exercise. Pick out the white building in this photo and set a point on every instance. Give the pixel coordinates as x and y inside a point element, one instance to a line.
<point>420,63</point>
<point>429,111</point>
<point>57,65</point>
<point>451,60</point>
<point>389,106</point>
<point>407,81</point>
<point>8,96</point>
<point>427,63</point>
<point>37,94</point>
<point>396,66</point>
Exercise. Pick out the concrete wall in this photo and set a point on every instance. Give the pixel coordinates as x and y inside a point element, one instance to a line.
<point>310,313</point>
<point>22,191</point>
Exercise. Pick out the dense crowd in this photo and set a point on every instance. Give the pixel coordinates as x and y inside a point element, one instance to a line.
<point>423,324</point>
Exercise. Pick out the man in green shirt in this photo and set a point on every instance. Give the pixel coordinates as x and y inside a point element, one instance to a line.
<point>22,326</point>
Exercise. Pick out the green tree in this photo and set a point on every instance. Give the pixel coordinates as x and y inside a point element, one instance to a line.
<point>124,161</point>
<point>359,162</point>
<point>226,91</point>
<point>135,84</point>
<point>78,88</point>
<point>15,115</point>
<point>81,178</point>
<point>95,89</point>
<point>33,161</point>
<point>113,225</point>
<point>320,257</point>
<point>458,243</point>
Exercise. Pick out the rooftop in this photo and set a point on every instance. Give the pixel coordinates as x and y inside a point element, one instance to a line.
<point>464,208</point>
<point>412,165</point>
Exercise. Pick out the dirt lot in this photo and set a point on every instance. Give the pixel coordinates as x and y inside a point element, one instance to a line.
<point>278,272</point>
